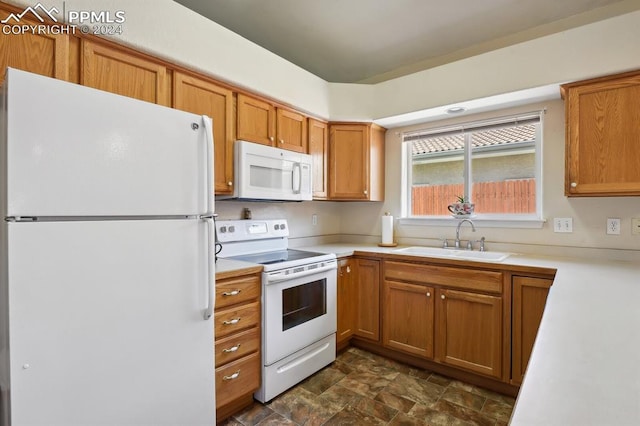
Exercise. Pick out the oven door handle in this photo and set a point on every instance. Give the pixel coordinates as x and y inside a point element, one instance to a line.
<point>275,277</point>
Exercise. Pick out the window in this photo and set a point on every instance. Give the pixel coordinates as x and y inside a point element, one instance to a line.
<point>493,164</point>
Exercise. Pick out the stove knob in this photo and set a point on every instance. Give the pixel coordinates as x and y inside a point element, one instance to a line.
<point>232,229</point>
<point>276,226</point>
<point>223,229</point>
<point>282,226</point>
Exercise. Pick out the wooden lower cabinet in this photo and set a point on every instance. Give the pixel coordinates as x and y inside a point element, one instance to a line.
<point>529,298</point>
<point>237,341</point>
<point>407,317</point>
<point>368,298</point>
<point>347,301</point>
<point>469,331</point>
<point>453,316</point>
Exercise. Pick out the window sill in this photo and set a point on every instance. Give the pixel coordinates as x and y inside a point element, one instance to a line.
<point>487,221</point>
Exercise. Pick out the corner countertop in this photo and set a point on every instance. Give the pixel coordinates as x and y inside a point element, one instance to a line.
<point>585,364</point>
<point>226,268</point>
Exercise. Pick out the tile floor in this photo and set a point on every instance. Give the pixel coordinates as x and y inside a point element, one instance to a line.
<point>361,388</point>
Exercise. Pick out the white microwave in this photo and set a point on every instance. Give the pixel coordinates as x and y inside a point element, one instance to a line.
<point>267,173</point>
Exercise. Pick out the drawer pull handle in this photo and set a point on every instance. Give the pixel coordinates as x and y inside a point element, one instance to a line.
<point>231,322</point>
<point>231,349</point>
<point>232,377</point>
<point>232,293</point>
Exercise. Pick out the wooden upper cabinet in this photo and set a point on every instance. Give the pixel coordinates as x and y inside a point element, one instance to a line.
<point>603,136</point>
<point>291,130</point>
<point>319,150</point>
<point>256,120</point>
<point>201,96</point>
<point>44,54</point>
<point>356,162</point>
<point>261,122</point>
<point>123,72</point>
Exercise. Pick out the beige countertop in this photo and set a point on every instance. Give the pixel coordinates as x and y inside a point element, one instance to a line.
<point>585,365</point>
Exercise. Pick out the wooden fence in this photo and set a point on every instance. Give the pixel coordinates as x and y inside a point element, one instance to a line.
<point>511,196</point>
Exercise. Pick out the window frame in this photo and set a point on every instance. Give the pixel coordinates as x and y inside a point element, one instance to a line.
<point>508,220</point>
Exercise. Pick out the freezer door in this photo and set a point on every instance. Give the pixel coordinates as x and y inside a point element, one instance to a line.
<point>77,151</point>
<point>110,330</point>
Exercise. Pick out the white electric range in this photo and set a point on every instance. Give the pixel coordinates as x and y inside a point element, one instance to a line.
<point>298,301</point>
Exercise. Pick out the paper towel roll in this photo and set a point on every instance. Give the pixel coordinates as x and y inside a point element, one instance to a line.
<point>387,229</point>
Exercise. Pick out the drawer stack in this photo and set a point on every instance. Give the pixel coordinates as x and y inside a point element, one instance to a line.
<point>237,342</point>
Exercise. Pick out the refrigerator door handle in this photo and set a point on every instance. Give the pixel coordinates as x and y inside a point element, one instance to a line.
<point>208,129</point>
<point>211,277</point>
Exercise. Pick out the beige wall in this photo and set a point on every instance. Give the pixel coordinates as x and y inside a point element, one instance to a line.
<point>589,214</point>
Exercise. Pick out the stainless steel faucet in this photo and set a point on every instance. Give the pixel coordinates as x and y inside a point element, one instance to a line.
<point>457,242</point>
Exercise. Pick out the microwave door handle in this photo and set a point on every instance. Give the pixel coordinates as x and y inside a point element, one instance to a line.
<point>296,176</point>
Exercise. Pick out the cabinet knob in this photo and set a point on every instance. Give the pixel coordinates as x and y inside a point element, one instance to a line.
<point>428,294</point>
<point>574,185</point>
<point>348,269</point>
<point>271,138</point>
<point>442,296</point>
<point>365,192</point>
<point>230,183</point>
<point>281,141</point>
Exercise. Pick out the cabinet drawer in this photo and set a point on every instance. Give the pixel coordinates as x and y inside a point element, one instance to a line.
<point>237,345</point>
<point>237,378</point>
<point>466,279</point>
<point>236,319</point>
<point>234,291</point>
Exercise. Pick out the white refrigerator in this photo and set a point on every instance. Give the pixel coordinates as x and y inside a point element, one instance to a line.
<point>106,262</point>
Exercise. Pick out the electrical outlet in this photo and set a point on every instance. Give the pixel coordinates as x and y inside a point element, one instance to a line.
<point>613,226</point>
<point>635,226</point>
<point>314,219</point>
<point>562,224</point>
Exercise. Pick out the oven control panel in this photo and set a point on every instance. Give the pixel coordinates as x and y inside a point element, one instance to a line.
<point>247,230</point>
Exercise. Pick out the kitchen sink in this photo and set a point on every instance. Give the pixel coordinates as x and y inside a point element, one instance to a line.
<point>487,256</point>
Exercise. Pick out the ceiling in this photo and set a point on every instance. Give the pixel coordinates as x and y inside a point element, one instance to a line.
<point>369,41</point>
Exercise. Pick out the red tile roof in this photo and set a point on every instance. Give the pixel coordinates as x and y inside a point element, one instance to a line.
<point>484,138</point>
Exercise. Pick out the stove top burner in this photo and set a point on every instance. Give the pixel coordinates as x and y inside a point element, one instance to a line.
<point>274,257</point>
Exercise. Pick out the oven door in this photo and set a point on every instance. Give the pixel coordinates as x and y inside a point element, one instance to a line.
<point>298,310</point>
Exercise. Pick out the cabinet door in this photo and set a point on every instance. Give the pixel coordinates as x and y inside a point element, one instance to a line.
<point>603,125</point>
<point>347,299</point>
<point>45,54</point>
<point>407,318</point>
<point>118,71</point>
<point>203,97</point>
<point>368,296</point>
<point>291,130</point>
<point>319,150</point>
<point>529,299</point>
<point>256,120</point>
<point>349,162</point>
<point>469,332</point>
